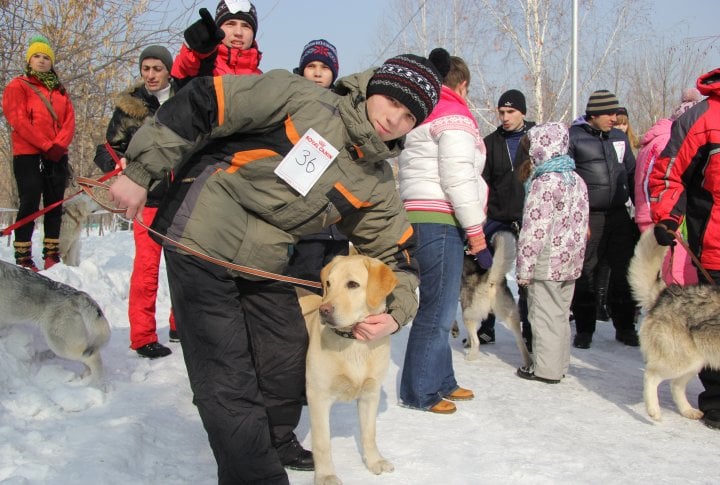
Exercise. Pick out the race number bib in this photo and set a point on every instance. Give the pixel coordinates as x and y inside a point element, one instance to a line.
<point>306,162</point>
<point>619,150</point>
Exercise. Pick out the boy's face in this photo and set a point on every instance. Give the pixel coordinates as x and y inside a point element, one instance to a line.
<point>390,117</point>
<point>154,74</point>
<point>319,73</point>
<point>238,34</point>
<point>511,118</point>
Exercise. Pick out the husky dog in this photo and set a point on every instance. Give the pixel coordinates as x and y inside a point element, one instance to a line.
<point>483,292</point>
<point>680,332</point>
<point>340,368</point>
<point>73,324</point>
<point>75,213</point>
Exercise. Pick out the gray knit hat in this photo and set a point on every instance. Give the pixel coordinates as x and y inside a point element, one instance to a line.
<point>157,52</point>
<point>602,102</point>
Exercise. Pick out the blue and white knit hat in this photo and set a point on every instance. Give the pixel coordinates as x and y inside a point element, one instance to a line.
<point>323,51</point>
<point>412,80</point>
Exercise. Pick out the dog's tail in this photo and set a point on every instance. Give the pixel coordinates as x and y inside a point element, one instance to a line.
<point>644,271</point>
<point>505,250</point>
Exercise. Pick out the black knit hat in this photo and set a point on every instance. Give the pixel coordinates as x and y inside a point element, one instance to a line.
<point>323,51</point>
<point>513,99</point>
<point>157,52</point>
<point>247,13</point>
<point>602,102</point>
<point>412,80</point>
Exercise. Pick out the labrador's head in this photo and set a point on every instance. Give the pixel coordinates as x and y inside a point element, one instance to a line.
<point>354,287</point>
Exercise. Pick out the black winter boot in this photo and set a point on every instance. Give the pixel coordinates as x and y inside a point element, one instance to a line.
<point>23,255</point>
<point>283,420</point>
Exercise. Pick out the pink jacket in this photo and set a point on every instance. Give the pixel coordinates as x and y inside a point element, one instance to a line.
<point>653,143</point>
<point>677,269</point>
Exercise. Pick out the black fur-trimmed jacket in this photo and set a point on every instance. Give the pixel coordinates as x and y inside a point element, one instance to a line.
<point>132,108</point>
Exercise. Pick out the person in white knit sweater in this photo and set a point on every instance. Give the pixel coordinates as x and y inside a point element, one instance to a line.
<point>445,196</point>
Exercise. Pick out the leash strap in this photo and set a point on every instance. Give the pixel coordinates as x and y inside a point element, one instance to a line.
<point>8,230</point>
<point>87,185</point>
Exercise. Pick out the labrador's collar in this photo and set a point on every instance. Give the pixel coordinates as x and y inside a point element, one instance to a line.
<point>344,333</point>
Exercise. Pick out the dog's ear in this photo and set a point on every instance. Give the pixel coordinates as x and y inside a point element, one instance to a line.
<point>381,281</point>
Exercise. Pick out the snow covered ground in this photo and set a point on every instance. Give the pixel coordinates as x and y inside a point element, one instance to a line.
<point>590,428</point>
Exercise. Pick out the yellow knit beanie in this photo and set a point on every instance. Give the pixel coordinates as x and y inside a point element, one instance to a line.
<point>39,44</point>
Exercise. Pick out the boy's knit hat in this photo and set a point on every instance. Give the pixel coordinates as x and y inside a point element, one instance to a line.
<point>157,52</point>
<point>39,44</point>
<point>548,140</point>
<point>414,81</point>
<point>243,10</point>
<point>602,102</point>
<point>323,51</point>
<point>513,99</point>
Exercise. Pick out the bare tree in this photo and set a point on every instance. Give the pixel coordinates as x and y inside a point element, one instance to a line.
<point>651,81</point>
<point>523,44</point>
<point>96,44</point>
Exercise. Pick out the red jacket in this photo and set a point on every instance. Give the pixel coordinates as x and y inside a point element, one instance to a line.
<point>685,180</point>
<point>225,60</point>
<point>33,129</point>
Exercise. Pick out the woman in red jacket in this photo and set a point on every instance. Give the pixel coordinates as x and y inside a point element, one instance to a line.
<point>42,119</point>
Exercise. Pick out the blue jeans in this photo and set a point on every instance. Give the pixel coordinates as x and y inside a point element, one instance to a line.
<point>428,373</point>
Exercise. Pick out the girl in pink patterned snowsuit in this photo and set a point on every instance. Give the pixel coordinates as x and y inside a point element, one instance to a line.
<point>551,247</point>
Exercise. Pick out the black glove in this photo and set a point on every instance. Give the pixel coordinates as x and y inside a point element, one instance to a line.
<point>55,153</point>
<point>664,232</point>
<point>204,35</point>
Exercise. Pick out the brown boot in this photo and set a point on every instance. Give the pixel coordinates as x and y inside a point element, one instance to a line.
<point>51,252</point>
<point>23,255</point>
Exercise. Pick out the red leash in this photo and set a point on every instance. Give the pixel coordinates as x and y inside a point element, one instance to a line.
<point>8,230</point>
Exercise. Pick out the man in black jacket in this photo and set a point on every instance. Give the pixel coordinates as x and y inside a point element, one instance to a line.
<point>604,160</point>
<point>505,191</point>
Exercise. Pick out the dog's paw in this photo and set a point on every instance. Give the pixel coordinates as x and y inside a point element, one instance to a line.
<point>472,355</point>
<point>692,413</point>
<point>328,480</point>
<point>380,466</point>
<point>654,413</point>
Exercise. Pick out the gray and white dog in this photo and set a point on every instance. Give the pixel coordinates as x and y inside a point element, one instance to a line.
<point>483,292</point>
<point>72,323</point>
<point>680,330</point>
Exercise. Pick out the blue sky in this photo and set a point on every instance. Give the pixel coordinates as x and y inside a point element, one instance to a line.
<point>285,26</point>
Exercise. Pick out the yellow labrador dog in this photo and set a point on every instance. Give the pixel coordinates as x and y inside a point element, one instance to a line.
<point>340,368</point>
